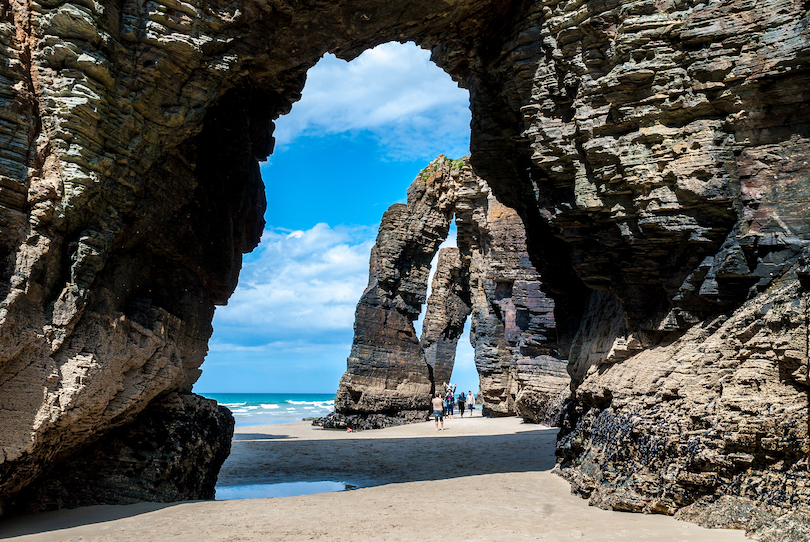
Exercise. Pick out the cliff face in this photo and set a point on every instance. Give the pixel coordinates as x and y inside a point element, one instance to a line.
<point>489,275</point>
<point>513,326</point>
<point>656,152</point>
<point>387,371</point>
<point>664,147</point>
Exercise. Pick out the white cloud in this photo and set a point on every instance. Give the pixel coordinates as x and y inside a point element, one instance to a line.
<point>395,92</point>
<point>299,284</point>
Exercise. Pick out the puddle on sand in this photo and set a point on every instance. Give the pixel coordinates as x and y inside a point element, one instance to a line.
<point>286,489</point>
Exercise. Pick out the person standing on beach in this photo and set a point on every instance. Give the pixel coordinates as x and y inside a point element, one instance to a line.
<point>461,401</point>
<point>451,403</point>
<point>471,402</point>
<point>437,410</point>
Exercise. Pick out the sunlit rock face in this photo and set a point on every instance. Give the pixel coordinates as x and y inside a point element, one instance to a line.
<point>387,372</point>
<point>130,187</point>
<point>489,275</point>
<point>513,326</point>
<point>656,151</point>
<point>445,315</point>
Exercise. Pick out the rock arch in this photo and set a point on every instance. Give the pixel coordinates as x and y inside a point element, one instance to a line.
<point>391,372</point>
<point>655,151</point>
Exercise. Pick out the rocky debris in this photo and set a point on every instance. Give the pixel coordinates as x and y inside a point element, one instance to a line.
<point>359,422</point>
<point>447,309</point>
<point>489,274</point>
<point>172,451</point>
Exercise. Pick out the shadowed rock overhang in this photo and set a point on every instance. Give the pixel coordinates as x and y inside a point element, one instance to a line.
<point>657,153</point>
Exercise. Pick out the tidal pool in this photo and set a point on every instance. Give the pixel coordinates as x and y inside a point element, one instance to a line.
<point>284,489</point>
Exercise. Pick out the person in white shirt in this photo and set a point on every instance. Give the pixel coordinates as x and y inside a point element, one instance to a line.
<point>470,402</point>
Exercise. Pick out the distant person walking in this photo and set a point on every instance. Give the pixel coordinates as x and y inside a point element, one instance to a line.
<point>438,414</point>
<point>461,401</point>
<point>470,402</point>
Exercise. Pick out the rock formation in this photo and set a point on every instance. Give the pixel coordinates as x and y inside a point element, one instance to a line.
<point>130,187</point>
<point>387,372</point>
<point>490,274</point>
<point>656,152</point>
<point>513,325</point>
<point>155,458</point>
<point>447,310</point>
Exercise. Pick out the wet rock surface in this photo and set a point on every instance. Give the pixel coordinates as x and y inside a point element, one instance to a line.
<point>172,451</point>
<point>359,422</point>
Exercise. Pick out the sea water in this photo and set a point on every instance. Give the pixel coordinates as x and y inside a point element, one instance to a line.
<point>264,408</point>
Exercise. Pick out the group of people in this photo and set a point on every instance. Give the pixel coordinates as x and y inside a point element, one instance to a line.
<point>444,404</point>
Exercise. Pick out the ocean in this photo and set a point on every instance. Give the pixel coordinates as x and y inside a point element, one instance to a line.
<point>264,408</point>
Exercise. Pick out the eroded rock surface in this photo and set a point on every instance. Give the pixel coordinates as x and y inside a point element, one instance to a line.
<point>130,187</point>
<point>489,274</point>
<point>386,371</point>
<point>513,325</point>
<point>156,457</point>
<point>656,152</point>
<point>447,310</point>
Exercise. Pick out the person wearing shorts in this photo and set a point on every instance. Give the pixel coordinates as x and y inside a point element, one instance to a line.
<point>470,402</point>
<point>437,410</point>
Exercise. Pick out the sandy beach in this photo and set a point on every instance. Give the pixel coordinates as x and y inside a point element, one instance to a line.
<point>480,479</point>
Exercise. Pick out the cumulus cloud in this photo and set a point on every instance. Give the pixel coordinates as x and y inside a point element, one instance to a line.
<point>299,284</point>
<point>393,91</point>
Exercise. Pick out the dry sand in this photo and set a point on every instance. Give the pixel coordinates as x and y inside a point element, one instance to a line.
<point>479,479</point>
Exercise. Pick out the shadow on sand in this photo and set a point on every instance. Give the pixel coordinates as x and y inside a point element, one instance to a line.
<point>258,458</point>
<point>371,462</point>
<point>65,519</point>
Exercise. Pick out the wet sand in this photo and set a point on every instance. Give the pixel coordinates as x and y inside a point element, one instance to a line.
<point>478,480</point>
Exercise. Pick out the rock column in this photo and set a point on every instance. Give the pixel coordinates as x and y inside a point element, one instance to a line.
<point>387,372</point>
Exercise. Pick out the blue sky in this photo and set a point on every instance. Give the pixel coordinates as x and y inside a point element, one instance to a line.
<point>348,150</point>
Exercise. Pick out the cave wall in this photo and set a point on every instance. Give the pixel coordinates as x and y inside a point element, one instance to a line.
<point>656,151</point>
<point>664,146</point>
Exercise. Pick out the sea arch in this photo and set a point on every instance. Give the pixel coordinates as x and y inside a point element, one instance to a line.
<point>655,151</point>
<point>141,127</point>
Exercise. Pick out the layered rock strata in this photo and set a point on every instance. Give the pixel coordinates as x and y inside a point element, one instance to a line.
<point>656,152</point>
<point>664,148</point>
<point>387,371</point>
<point>489,274</point>
<point>129,188</point>
<point>513,325</point>
<point>447,310</point>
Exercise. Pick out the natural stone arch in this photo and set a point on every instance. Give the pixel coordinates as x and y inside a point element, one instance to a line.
<point>391,373</point>
<point>134,189</point>
<point>657,149</point>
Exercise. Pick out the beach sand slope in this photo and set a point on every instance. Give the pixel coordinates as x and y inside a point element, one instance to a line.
<point>478,480</point>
